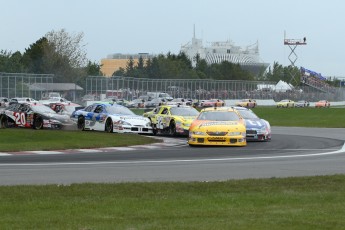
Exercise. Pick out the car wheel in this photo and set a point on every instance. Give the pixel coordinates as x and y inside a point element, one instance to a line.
<point>109,126</point>
<point>3,122</point>
<point>154,131</point>
<point>154,128</point>
<point>172,128</point>
<point>38,123</point>
<point>81,123</point>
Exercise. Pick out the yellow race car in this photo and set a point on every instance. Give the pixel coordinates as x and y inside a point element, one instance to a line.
<point>286,104</point>
<point>172,119</point>
<point>221,126</point>
<point>248,103</point>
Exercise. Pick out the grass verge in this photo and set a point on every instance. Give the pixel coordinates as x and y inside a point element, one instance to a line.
<point>303,117</point>
<point>289,203</point>
<point>20,139</point>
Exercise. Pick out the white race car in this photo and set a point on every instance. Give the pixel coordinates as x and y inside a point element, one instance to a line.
<point>111,118</point>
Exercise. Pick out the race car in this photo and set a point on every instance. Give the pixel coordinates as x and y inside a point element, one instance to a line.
<point>21,100</point>
<point>220,126</point>
<point>172,119</point>
<point>212,103</point>
<point>257,129</point>
<point>286,104</point>
<point>248,103</point>
<point>111,118</point>
<point>322,104</point>
<point>302,104</point>
<point>65,107</point>
<point>33,115</point>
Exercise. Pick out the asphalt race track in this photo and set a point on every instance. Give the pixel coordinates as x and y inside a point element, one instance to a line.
<point>292,152</point>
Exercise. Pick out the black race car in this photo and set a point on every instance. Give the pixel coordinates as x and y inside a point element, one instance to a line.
<point>32,115</point>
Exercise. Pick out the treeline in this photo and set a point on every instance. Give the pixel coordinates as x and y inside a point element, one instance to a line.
<point>58,53</point>
<point>179,66</point>
<point>172,66</point>
<point>64,55</point>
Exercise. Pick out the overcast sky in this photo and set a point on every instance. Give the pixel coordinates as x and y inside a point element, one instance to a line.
<point>162,26</point>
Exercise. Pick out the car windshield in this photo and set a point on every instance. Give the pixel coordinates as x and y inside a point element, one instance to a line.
<point>184,111</point>
<point>42,109</point>
<point>219,116</point>
<point>119,110</point>
<point>246,114</point>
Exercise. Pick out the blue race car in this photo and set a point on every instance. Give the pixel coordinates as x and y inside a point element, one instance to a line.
<point>257,129</point>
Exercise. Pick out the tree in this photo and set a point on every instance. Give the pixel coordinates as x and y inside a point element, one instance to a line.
<point>120,72</point>
<point>11,62</point>
<point>69,46</point>
<point>93,69</point>
<point>33,57</point>
<point>130,67</point>
<point>65,55</point>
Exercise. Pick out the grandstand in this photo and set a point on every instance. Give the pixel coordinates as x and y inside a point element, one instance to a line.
<point>315,80</point>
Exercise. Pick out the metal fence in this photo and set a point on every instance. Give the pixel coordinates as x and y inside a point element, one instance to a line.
<point>130,88</point>
<point>20,84</point>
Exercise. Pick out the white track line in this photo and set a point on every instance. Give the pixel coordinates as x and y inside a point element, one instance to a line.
<point>342,150</point>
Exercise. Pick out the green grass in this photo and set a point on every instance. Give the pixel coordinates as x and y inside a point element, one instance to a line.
<point>303,117</point>
<point>21,139</point>
<point>290,203</point>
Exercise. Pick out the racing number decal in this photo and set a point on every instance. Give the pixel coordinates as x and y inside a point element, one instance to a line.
<point>20,118</point>
<point>255,123</point>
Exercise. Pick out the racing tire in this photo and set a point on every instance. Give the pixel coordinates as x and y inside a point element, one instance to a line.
<point>154,131</point>
<point>109,126</point>
<point>81,123</point>
<point>38,123</point>
<point>154,128</point>
<point>172,128</point>
<point>3,122</point>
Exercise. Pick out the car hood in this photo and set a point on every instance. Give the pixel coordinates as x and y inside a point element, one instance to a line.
<point>205,126</point>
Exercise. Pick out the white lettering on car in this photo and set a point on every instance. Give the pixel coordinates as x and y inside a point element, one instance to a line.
<point>20,118</point>
<point>254,123</point>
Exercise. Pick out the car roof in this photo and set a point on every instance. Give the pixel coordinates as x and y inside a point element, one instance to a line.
<point>218,109</point>
<point>241,108</point>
